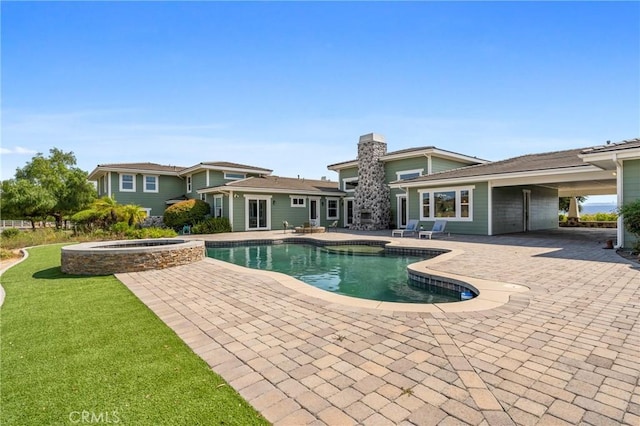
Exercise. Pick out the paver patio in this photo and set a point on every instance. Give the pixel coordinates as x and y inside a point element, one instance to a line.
<point>565,352</point>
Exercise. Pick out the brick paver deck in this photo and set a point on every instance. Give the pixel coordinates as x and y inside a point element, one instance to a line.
<point>565,352</point>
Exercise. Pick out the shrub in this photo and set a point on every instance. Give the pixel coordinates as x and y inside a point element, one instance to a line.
<point>631,217</point>
<point>188,212</point>
<point>142,233</point>
<point>120,228</point>
<point>599,217</point>
<point>10,233</point>
<point>214,225</point>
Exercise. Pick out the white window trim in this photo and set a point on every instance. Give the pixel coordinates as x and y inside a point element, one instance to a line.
<point>147,210</point>
<point>344,184</point>
<point>189,181</point>
<point>120,175</point>
<point>457,190</point>
<point>337,216</point>
<point>226,176</point>
<point>403,172</point>
<point>304,201</point>
<point>144,183</point>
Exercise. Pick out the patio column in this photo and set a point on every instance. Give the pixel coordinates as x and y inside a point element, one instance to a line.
<point>574,213</point>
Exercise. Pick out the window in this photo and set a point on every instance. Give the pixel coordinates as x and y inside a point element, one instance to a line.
<point>151,184</point>
<point>298,202</point>
<point>188,183</point>
<point>217,206</point>
<point>127,183</point>
<point>409,174</point>
<point>234,176</point>
<point>349,184</point>
<point>332,208</point>
<point>203,197</point>
<point>446,203</point>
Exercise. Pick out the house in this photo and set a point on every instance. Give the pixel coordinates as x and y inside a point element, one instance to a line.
<point>382,190</point>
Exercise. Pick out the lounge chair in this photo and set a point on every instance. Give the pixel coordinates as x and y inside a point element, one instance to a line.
<point>438,228</point>
<point>411,228</point>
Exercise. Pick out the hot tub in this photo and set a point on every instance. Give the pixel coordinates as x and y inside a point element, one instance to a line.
<point>112,257</point>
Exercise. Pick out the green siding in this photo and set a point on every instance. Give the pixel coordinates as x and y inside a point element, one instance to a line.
<point>480,208</point>
<point>441,164</point>
<point>198,181</point>
<point>630,192</point>
<point>168,187</point>
<point>391,168</point>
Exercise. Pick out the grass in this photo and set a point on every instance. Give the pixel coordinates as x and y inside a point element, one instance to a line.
<point>86,346</point>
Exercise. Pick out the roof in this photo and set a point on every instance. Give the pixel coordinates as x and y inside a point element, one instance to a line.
<point>280,184</point>
<point>225,165</point>
<point>414,152</point>
<point>611,147</point>
<point>154,168</point>
<point>524,163</point>
<point>135,167</point>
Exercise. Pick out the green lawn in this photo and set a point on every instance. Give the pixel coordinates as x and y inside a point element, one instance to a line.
<point>86,346</point>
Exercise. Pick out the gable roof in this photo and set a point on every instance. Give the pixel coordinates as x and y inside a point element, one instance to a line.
<point>412,153</point>
<point>225,166</point>
<point>531,164</point>
<point>278,184</point>
<point>618,146</point>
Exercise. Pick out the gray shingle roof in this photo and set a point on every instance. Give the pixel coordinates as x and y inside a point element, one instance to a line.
<point>278,183</point>
<point>143,166</point>
<point>619,146</point>
<point>524,163</point>
<point>226,164</point>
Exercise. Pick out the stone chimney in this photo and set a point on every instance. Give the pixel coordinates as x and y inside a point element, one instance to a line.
<point>371,209</point>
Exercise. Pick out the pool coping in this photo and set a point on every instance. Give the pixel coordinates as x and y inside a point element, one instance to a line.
<point>490,294</point>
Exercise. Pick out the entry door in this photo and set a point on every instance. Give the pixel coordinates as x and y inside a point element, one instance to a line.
<point>258,214</point>
<point>526,210</point>
<point>402,211</point>
<point>348,212</point>
<point>314,212</point>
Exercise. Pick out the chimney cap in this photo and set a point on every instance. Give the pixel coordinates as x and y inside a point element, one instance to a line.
<point>372,137</point>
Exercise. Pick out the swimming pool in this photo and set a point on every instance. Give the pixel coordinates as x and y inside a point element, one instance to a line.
<point>358,271</point>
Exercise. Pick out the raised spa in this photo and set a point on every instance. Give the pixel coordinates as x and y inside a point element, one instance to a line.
<point>112,257</point>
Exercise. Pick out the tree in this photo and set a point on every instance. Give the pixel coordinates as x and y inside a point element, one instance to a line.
<point>132,214</point>
<point>23,199</point>
<point>58,176</point>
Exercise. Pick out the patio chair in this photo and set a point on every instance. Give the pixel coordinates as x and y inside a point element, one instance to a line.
<point>412,227</point>
<point>285,226</point>
<point>334,225</point>
<point>438,228</point>
<point>186,230</point>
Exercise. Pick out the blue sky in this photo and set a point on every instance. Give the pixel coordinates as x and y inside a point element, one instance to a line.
<point>291,86</point>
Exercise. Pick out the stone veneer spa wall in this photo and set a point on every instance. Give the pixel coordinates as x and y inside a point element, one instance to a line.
<point>372,208</point>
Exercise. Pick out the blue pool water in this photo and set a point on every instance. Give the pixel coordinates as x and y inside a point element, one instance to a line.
<point>377,277</point>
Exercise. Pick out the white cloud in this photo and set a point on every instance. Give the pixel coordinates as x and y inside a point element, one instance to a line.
<point>18,150</point>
